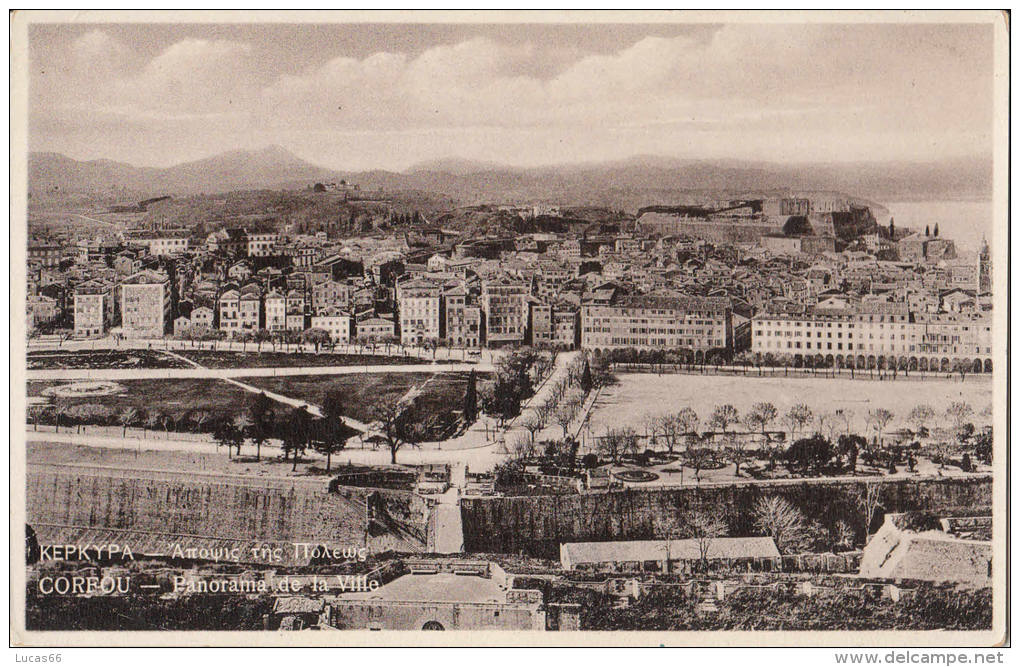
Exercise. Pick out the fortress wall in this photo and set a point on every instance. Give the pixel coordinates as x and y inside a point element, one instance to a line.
<point>537,525</point>
<point>195,507</point>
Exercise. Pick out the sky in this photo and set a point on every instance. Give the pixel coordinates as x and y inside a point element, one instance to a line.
<point>366,96</point>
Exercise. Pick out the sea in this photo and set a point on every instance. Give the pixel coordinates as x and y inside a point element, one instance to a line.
<point>964,222</point>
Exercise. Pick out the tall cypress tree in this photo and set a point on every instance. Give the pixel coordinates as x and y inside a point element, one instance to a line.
<point>586,381</point>
<point>471,399</point>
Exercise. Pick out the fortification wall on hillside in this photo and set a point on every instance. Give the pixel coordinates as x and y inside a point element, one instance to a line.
<point>202,508</point>
<point>537,525</point>
<point>714,231</point>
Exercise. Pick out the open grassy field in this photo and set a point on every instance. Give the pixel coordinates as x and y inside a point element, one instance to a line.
<point>642,395</point>
<point>363,392</point>
<point>441,394</point>
<point>96,359</point>
<point>270,359</point>
<point>175,397</point>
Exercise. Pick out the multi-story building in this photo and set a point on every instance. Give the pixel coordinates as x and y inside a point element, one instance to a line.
<point>463,319</point>
<point>540,323</point>
<point>42,308</point>
<point>249,312</point>
<point>162,245</point>
<point>93,309</point>
<point>657,322</point>
<point>262,244</point>
<point>419,303</point>
<point>565,327</point>
<point>202,317</point>
<point>276,311</point>
<point>45,254</point>
<point>230,311</point>
<point>337,324</point>
<point>877,336</point>
<point>505,305</point>
<point>330,294</point>
<point>296,310</point>
<point>145,305</point>
<point>375,328</point>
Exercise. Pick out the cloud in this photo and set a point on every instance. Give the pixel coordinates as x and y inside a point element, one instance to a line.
<point>733,89</point>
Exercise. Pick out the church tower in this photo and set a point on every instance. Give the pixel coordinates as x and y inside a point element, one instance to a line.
<point>984,268</point>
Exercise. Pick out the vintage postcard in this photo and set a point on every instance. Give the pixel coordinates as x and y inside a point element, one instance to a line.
<point>509,328</point>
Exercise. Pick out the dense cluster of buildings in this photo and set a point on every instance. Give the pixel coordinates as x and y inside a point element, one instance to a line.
<point>821,282</point>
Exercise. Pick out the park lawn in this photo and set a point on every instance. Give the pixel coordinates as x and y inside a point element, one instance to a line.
<point>100,359</point>
<point>176,397</point>
<point>269,359</point>
<point>639,396</point>
<point>365,392</point>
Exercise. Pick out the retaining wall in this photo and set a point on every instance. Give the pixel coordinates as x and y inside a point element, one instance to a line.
<point>536,525</point>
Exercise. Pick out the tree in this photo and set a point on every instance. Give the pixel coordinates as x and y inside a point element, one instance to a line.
<point>671,429</point>
<point>586,379</point>
<point>242,426</point>
<point>332,430</point>
<point>153,420</point>
<point>532,423</point>
<point>809,453</point>
<point>698,458</point>
<point>798,417</point>
<point>958,412</point>
<point>983,446</point>
<point>262,418</point>
<point>880,417</point>
<point>842,536</point>
<point>869,499</point>
<point>296,434</point>
<point>850,447</point>
<point>736,451</point>
<point>564,415</point>
<point>127,417</point>
<point>470,409</point>
<point>762,414</point>
<point>920,417</point>
<point>704,528</point>
<point>687,420</point>
<point>225,435</point>
<point>199,419</point>
<point>520,448</point>
<point>615,442</point>
<point>829,424</point>
<point>400,426</point>
<point>723,416</point>
<point>779,519</point>
<point>317,337</point>
<point>942,452</point>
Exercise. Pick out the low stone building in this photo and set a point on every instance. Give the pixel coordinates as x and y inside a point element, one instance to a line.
<point>662,555</point>
<point>442,594</point>
<point>905,548</point>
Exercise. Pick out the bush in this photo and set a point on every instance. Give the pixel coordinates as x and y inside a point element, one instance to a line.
<point>590,461</point>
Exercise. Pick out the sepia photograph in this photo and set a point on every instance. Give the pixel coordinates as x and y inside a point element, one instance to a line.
<point>579,328</point>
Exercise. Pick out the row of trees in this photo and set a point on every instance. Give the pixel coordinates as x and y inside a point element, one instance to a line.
<point>788,526</point>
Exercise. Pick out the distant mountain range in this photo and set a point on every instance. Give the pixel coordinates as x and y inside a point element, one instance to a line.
<point>625,184</point>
